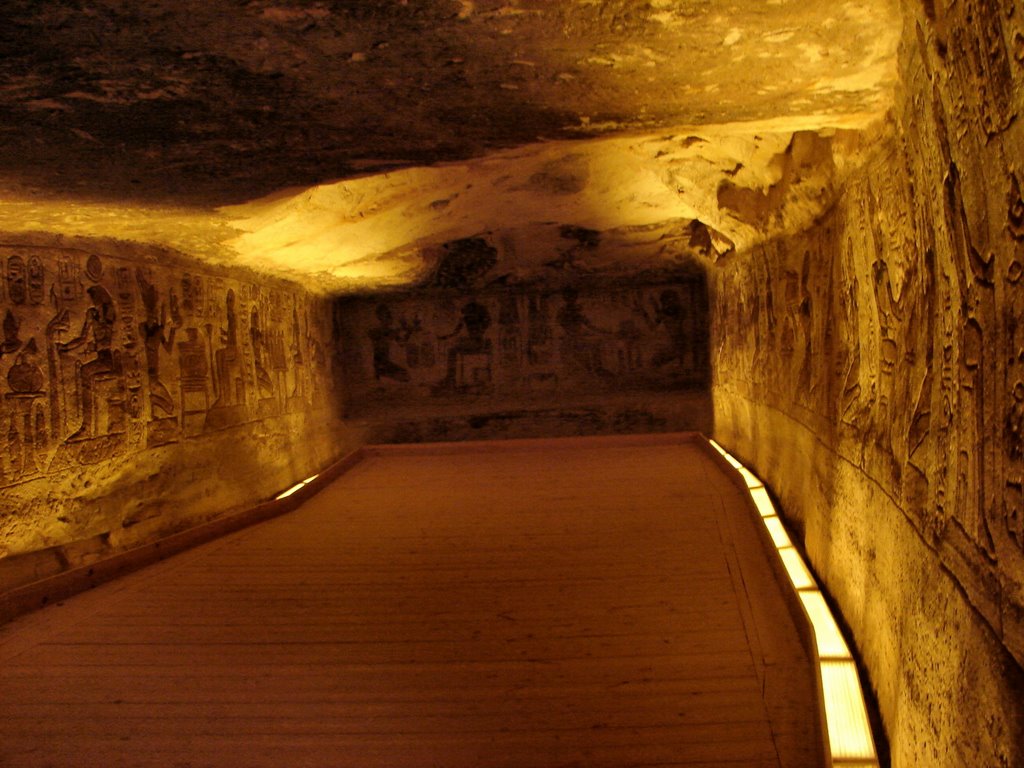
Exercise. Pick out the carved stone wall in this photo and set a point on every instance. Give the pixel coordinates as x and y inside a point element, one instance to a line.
<point>882,355</point>
<point>139,396</point>
<point>527,361</point>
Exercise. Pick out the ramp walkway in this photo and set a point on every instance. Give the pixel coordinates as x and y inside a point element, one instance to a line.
<point>521,604</point>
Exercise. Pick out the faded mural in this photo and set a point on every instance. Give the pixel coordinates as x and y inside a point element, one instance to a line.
<point>103,357</point>
<point>520,343</point>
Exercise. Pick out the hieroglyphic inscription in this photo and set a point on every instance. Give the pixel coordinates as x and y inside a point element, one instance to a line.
<point>519,341</point>
<point>100,357</point>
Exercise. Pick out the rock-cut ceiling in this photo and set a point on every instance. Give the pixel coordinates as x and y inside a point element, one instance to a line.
<point>357,144</point>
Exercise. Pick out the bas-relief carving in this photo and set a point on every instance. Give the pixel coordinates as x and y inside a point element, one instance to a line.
<point>101,358</point>
<point>922,286</point>
<point>522,342</point>
<point>873,307</point>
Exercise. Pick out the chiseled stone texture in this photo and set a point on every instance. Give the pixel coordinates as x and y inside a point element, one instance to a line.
<point>141,393</point>
<point>872,371</point>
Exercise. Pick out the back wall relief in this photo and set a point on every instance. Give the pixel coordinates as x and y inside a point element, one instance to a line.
<point>102,357</point>
<point>524,343</point>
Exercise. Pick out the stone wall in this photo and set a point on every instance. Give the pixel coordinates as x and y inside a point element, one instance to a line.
<point>873,372</point>
<point>528,361</point>
<point>141,393</point>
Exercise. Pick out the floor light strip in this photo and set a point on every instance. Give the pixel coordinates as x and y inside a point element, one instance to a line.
<point>294,488</point>
<point>849,732</point>
<point>846,719</point>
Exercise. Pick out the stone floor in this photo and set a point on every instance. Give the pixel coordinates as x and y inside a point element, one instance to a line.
<point>559,603</point>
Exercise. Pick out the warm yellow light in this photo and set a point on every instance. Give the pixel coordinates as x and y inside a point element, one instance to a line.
<point>310,479</point>
<point>752,480</point>
<point>779,536</point>
<point>726,455</point>
<point>849,733</point>
<point>289,492</point>
<point>826,632</point>
<point>762,501</point>
<point>717,447</point>
<point>799,576</point>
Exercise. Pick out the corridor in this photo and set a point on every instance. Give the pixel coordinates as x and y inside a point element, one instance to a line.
<point>527,603</point>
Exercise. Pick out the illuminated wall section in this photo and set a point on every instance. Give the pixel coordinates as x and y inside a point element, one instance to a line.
<point>871,369</point>
<point>142,393</point>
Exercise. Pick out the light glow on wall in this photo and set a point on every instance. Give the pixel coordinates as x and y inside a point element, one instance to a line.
<point>848,730</point>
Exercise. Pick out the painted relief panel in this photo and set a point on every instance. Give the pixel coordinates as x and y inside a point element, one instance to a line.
<point>103,357</point>
<point>524,344</point>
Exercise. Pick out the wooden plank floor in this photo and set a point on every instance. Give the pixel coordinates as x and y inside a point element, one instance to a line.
<point>580,604</point>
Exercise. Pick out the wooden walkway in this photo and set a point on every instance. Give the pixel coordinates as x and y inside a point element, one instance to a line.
<point>575,603</point>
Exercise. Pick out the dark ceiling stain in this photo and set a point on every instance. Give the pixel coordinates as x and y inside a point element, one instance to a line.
<point>219,101</point>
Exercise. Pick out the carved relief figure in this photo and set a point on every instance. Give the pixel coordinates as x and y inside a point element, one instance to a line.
<point>227,361</point>
<point>581,347</point>
<point>263,383</point>
<point>420,346</point>
<point>155,335</point>
<point>273,340</point>
<point>75,396</point>
<point>97,331</point>
<point>55,328</point>
<point>194,368</point>
<point>676,319</point>
<point>27,434</point>
<point>520,341</point>
<point>469,358</point>
<point>629,353</point>
<point>381,338</point>
<point>131,368</point>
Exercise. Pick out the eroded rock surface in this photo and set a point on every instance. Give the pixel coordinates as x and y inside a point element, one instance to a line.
<point>342,144</point>
<point>616,207</point>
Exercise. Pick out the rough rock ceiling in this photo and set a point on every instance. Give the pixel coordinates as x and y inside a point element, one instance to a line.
<point>145,119</point>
